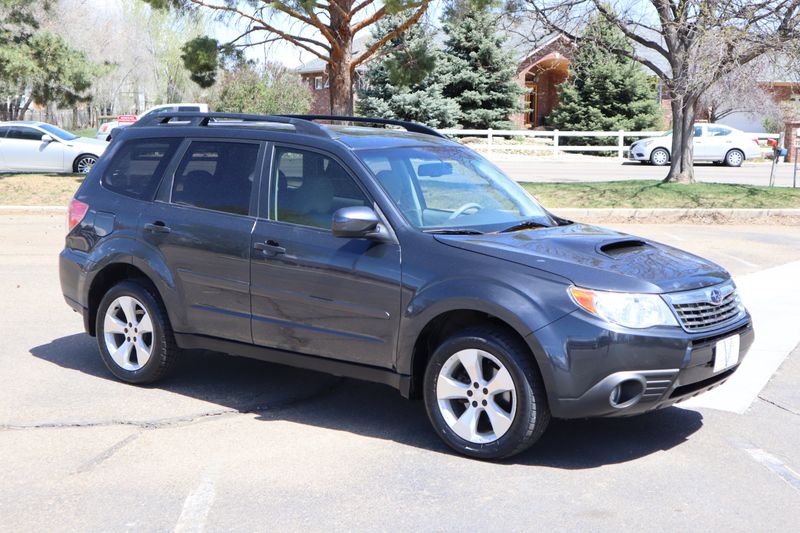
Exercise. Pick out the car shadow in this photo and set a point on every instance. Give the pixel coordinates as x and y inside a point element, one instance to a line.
<point>376,411</point>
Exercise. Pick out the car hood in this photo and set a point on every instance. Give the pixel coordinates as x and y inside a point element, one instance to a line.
<point>92,145</point>
<point>597,258</point>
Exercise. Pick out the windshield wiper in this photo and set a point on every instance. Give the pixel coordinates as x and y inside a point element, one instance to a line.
<point>526,224</point>
<point>454,231</point>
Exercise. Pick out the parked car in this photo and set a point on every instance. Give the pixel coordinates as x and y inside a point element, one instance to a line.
<point>712,142</point>
<point>41,147</point>
<point>398,257</point>
<point>105,130</point>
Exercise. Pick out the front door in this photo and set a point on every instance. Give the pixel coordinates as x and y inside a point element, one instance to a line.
<point>312,292</point>
<point>24,149</point>
<point>202,225</point>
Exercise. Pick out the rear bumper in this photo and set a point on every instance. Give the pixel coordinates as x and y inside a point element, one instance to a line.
<point>72,270</point>
<point>653,369</point>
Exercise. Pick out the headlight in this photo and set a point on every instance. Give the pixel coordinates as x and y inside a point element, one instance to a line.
<point>626,309</point>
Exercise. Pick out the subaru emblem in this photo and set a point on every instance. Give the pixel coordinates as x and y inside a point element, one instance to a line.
<point>716,296</point>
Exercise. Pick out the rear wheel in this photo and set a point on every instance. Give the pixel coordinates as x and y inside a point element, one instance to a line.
<point>484,396</point>
<point>134,334</point>
<point>659,157</point>
<point>734,158</point>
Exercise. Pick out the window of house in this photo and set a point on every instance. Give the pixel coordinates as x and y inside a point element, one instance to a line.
<point>318,83</point>
<point>136,169</point>
<point>309,187</point>
<point>216,175</point>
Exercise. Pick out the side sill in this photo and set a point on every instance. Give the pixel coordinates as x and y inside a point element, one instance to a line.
<point>329,366</point>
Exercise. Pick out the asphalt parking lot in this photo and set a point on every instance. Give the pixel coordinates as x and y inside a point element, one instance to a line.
<point>230,444</point>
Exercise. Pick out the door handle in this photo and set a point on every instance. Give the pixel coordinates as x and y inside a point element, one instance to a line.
<point>270,246</point>
<point>157,227</point>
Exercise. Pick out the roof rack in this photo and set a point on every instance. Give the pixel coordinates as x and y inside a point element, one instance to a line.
<point>203,119</point>
<point>409,126</point>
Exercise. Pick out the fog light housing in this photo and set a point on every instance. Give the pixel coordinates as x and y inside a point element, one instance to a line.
<point>626,393</point>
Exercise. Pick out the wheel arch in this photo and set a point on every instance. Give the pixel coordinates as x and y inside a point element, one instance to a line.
<point>446,324</point>
<point>110,275</point>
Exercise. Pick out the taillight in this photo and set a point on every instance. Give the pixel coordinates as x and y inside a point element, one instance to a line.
<point>75,213</point>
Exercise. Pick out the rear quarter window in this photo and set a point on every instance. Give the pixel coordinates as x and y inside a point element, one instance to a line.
<point>136,169</point>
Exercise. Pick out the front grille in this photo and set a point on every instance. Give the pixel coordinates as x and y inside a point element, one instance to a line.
<point>698,311</point>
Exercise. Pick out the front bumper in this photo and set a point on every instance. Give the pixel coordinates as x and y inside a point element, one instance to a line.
<point>583,361</point>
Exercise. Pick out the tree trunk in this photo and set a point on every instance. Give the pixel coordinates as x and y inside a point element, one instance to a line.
<point>681,169</point>
<point>340,77</point>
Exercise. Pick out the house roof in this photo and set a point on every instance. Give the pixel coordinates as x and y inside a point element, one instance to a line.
<point>317,65</point>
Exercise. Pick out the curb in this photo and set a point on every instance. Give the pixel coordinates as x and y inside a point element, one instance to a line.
<point>744,214</point>
<point>43,209</point>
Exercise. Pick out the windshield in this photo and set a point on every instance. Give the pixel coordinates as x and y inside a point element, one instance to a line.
<point>58,132</point>
<point>451,187</point>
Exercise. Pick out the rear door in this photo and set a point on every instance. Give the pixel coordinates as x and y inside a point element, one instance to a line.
<point>24,150</point>
<point>202,222</point>
<point>312,292</point>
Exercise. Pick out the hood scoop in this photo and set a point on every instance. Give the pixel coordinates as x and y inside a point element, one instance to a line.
<point>621,247</point>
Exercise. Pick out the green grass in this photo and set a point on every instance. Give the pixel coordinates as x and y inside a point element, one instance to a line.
<point>655,194</point>
<point>86,132</point>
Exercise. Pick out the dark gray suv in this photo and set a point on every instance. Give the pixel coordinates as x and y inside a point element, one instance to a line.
<point>394,256</point>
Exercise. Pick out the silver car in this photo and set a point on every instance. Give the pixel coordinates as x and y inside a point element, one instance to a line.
<point>42,147</point>
<point>712,142</point>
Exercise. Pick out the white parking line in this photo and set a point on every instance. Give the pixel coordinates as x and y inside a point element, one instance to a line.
<point>771,297</point>
<point>775,465</point>
<point>198,503</point>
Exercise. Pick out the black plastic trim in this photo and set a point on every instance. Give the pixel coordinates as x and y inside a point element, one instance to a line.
<point>400,382</point>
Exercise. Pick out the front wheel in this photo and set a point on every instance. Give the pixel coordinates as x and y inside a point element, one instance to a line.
<point>84,163</point>
<point>484,395</point>
<point>659,157</point>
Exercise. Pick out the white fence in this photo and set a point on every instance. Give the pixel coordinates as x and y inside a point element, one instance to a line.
<point>555,147</point>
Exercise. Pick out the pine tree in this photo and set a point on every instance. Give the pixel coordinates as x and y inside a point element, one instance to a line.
<point>605,91</point>
<point>479,71</point>
<point>404,81</point>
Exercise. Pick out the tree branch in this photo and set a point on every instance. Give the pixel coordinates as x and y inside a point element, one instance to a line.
<point>423,6</point>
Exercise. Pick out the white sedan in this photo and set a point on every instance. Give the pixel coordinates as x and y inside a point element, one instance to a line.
<point>42,147</point>
<point>712,142</point>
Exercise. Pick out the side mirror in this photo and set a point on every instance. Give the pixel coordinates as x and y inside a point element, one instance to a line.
<point>47,138</point>
<point>357,223</point>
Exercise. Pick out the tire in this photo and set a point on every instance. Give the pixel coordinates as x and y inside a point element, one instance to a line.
<point>125,306</point>
<point>734,158</point>
<point>502,427</point>
<point>659,157</point>
<point>84,163</point>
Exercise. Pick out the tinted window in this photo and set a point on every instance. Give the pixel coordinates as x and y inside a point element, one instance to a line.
<point>137,167</point>
<point>718,131</point>
<point>24,134</point>
<point>3,132</point>
<point>216,175</point>
<point>311,187</point>
<point>698,131</point>
<point>58,132</point>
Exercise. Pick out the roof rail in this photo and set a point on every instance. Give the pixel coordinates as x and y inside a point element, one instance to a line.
<point>409,126</point>
<point>203,119</point>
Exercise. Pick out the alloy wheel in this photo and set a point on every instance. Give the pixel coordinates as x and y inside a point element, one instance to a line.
<point>128,333</point>
<point>476,396</point>
<point>85,164</point>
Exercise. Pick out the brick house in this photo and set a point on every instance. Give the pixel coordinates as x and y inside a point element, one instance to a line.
<point>541,71</point>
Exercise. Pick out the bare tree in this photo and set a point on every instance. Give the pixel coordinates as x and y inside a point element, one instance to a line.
<point>741,91</point>
<point>324,28</point>
<point>688,44</point>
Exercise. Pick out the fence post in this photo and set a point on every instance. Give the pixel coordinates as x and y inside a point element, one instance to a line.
<point>621,145</point>
<point>490,138</point>
<point>555,143</point>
